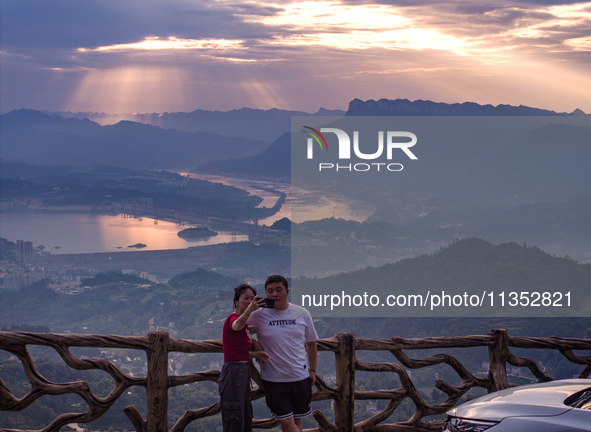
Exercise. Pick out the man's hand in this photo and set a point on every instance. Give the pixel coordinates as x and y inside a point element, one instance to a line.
<point>312,377</point>
<point>312,351</point>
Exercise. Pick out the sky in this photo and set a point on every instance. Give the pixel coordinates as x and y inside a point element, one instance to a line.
<point>181,55</point>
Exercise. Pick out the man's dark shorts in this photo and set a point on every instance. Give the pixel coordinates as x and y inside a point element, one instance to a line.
<point>287,399</point>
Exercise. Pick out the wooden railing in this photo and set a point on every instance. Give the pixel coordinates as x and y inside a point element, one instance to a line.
<point>157,345</point>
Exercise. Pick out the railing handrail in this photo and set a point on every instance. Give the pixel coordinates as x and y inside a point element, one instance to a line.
<point>157,345</point>
<point>327,344</point>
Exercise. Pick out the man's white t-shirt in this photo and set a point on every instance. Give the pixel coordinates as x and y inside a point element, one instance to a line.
<point>283,334</point>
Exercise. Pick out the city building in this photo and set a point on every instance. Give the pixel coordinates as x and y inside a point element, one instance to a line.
<point>24,251</point>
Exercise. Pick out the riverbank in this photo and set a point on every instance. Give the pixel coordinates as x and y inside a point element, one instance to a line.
<point>174,260</point>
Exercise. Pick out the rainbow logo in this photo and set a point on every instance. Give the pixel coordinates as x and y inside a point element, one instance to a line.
<point>316,137</point>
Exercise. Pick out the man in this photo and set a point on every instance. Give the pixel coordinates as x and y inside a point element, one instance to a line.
<point>287,333</point>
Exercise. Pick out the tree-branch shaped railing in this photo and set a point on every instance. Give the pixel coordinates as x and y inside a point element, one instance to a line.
<point>157,345</point>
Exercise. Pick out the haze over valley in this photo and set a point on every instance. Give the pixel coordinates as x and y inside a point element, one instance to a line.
<point>95,221</point>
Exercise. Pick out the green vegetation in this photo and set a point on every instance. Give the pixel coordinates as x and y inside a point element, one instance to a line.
<point>67,186</point>
<point>204,280</point>
<point>13,188</point>
<point>283,224</point>
<point>138,246</point>
<point>7,250</point>
<point>113,277</point>
<point>196,233</point>
<point>125,304</point>
<point>42,412</point>
<point>197,302</point>
<point>255,260</point>
<point>26,328</point>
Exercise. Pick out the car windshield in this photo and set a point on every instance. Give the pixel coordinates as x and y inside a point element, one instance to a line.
<point>581,399</point>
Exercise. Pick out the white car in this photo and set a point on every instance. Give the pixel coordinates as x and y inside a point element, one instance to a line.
<point>556,406</point>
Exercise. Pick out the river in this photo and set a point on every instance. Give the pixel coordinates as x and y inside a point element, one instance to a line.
<point>71,233</point>
<point>300,205</point>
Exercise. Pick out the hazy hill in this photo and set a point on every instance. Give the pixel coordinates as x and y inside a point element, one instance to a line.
<point>558,228</point>
<point>461,162</point>
<point>473,266</point>
<point>273,162</point>
<point>65,185</point>
<point>548,163</point>
<point>33,137</point>
<point>248,123</point>
<point>111,307</point>
<point>192,299</point>
<point>329,246</point>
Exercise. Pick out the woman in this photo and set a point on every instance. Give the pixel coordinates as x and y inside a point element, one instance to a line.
<point>234,381</point>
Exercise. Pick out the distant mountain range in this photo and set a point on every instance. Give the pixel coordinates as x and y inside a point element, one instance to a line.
<point>551,158</point>
<point>404,107</point>
<point>461,163</point>
<point>254,124</point>
<point>34,137</point>
<point>276,154</point>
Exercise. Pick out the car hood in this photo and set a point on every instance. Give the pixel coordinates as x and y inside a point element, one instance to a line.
<point>531,400</point>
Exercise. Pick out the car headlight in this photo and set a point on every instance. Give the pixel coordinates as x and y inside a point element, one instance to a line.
<point>456,424</point>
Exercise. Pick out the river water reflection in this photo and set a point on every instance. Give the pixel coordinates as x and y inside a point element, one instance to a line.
<point>68,233</point>
<point>300,205</point>
<point>254,188</point>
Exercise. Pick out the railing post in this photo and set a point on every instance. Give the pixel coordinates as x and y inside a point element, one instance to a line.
<point>157,382</point>
<point>497,354</point>
<point>344,405</point>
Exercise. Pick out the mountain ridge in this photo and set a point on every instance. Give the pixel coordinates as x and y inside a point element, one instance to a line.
<point>404,107</point>
<point>34,137</point>
<point>250,123</point>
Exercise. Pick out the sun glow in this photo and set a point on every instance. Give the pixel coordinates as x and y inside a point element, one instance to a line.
<point>416,39</point>
<point>417,46</point>
<point>263,93</point>
<point>170,43</point>
<point>579,44</point>
<point>352,27</point>
<point>333,16</point>
<point>129,88</point>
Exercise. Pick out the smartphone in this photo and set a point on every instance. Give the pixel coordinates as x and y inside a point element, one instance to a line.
<point>269,303</point>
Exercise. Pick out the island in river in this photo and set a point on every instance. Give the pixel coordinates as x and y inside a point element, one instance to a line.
<point>196,233</point>
<point>138,246</point>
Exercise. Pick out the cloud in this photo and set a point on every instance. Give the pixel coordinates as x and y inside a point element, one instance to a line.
<point>68,24</point>
<point>65,26</point>
<point>170,43</point>
<point>268,51</point>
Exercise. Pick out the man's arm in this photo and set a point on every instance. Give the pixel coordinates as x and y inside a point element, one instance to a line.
<point>258,352</point>
<point>312,351</point>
